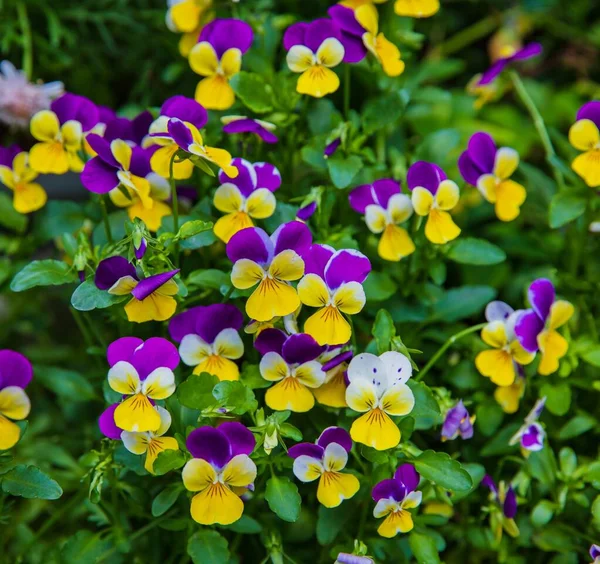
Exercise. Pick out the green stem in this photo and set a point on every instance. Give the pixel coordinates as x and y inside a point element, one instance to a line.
<point>27,39</point>
<point>228,294</point>
<point>89,341</point>
<point>466,36</point>
<point>346,91</point>
<point>107,229</point>
<point>175,207</point>
<point>445,347</point>
<point>538,122</point>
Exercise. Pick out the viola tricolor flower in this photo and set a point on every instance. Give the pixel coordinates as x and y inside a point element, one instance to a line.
<point>333,283</point>
<point>151,298</point>
<point>15,374</point>
<point>60,132</point>
<point>151,443</point>
<point>18,176</point>
<point>584,135</point>
<point>417,8</point>
<point>378,389</point>
<point>242,124</point>
<point>490,169</point>
<point>433,195</point>
<point>142,371</point>
<point>324,461</point>
<point>185,110</point>
<point>385,208</point>
<point>536,328</point>
<point>511,55</point>
<point>500,363</point>
<point>504,509</point>
<point>314,49</point>
<point>360,34</point>
<point>595,554</point>
<point>220,472</point>
<point>332,392</point>
<point>292,363</point>
<point>271,263</point>
<point>457,423</point>
<point>218,56</point>
<point>209,339</point>
<point>247,196</point>
<point>393,498</point>
<point>531,434</point>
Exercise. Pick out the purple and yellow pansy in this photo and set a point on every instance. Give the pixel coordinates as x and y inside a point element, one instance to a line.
<point>536,328</point>
<point>510,55</point>
<point>324,460</point>
<point>291,361</point>
<point>333,283</point>
<point>270,263</point>
<point>489,169</point>
<point>247,196</point>
<point>433,196</point>
<point>220,472</point>
<point>151,298</point>
<point>332,392</point>
<point>385,208</point>
<point>15,375</point>
<point>141,371</point>
<point>504,508</point>
<point>457,423</point>
<point>531,434</point>
<point>218,57</point>
<point>378,389</point>
<point>242,124</point>
<point>209,339</point>
<point>584,135</point>
<point>394,497</point>
<point>18,176</point>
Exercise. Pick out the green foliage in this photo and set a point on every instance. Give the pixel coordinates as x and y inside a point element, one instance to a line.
<point>43,273</point>
<point>283,498</point>
<point>29,482</point>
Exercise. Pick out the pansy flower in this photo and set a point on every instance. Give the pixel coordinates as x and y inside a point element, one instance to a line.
<point>142,371</point>
<point>218,56</point>
<point>151,298</point>
<point>531,434</point>
<point>292,363</point>
<point>15,374</point>
<point>242,124</point>
<point>186,16</point>
<point>457,423</point>
<point>270,263</point>
<point>504,508</point>
<point>416,8</point>
<point>509,56</point>
<point>595,554</point>
<point>584,135</point>
<point>186,110</point>
<point>247,196</point>
<point>393,498</point>
<point>17,175</point>
<point>360,34</point>
<point>324,461</point>
<point>332,392</point>
<point>536,328</point>
<point>500,363</point>
<point>60,134</point>
<point>209,339</point>
<point>313,50</point>
<point>433,195</point>
<point>378,389</point>
<point>131,130</point>
<point>219,470</point>
<point>385,208</point>
<point>489,169</point>
<point>333,283</point>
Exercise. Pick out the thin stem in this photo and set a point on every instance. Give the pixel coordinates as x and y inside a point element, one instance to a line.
<point>538,122</point>
<point>27,39</point>
<point>107,229</point>
<point>89,341</point>
<point>175,206</point>
<point>445,347</point>
<point>346,91</point>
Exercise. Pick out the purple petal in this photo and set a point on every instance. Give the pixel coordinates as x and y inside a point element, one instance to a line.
<point>384,189</point>
<point>306,449</point>
<point>529,51</point>
<point>337,360</point>
<point>107,424</point>
<point>346,20</point>
<point>140,251</point>
<point>294,235</point>
<point>112,269</point>
<point>306,212</point>
<point>346,265</point>
<point>361,197</point>
<point>482,151</point>
<point>408,476</point>
<point>118,128</point>
<point>99,177</point>
<point>250,243</point>
<point>354,48</point>
<point>590,111</point>
<point>211,445</point>
<point>541,296</point>
<point>267,176</point>
<point>465,428</point>
<point>79,108</point>
<point>595,551</point>
<point>247,125</point>
<point>270,340</point>
<point>498,311</point>
<point>388,489</point>
<point>7,155</point>
<point>102,146</point>
<point>490,74</point>
<point>246,178</point>
<point>345,558</point>
<point>488,481</point>
<point>106,114</point>
<point>316,259</point>
<point>332,147</point>
<point>180,133</point>
<point>156,352</point>
<point>294,35</point>
<point>510,504</point>
<point>335,435</point>
<point>15,369</point>
<point>468,169</point>
<point>453,419</point>
<point>215,318</point>
<point>426,175</point>
<point>184,323</point>
<point>122,349</point>
<point>533,437</point>
<point>140,125</point>
<point>140,161</point>
<point>241,439</point>
<point>300,348</point>
<point>185,109</point>
<point>318,31</point>
<point>527,329</point>
<point>227,33</point>
<point>152,283</point>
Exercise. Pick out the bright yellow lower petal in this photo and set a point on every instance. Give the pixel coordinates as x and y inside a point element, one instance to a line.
<point>289,394</point>
<point>222,158</point>
<point>447,195</point>
<point>349,298</point>
<point>246,274</point>
<point>367,16</point>
<point>9,433</point>
<point>7,177</point>
<point>332,393</point>
<point>272,298</point>
<point>335,487</point>
<point>440,227</point>
<point>216,504</point>
<point>560,312</point>
<point>155,307</point>
<point>228,225</point>
<point>328,327</point>
<point>318,81</point>
<point>422,201</point>
<point>14,403</point>
<point>519,354</point>
<point>215,93</point>
<point>398,400</point>
<point>509,198</point>
<point>497,365</point>
<point>375,429</point>
<point>29,197</point>
<point>45,126</point>
<point>394,523</point>
<point>287,265</point>
<point>416,8</point>
<point>155,447</point>
<point>222,368</point>
<point>395,244</point>
<point>152,217</point>
<point>49,158</point>
<point>137,414</point>
<point>587,165</point>
<point>584,135</point>
<point>553,347</point>
<point>508,396</point>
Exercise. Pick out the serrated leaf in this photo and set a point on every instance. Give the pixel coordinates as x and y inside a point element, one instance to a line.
<point>168,460</point>
<point>283,498</point>
<point>196,391</point>
<point>30,482</point>
<point>235,396</point>
<point>253,91</point>
<point>43,273</point>
<point>208,547</point>
<point>88,297</point>
<point>439,468</point>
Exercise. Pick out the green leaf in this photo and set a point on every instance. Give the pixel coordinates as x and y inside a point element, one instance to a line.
<point>469,250</point>
<point>489,417</point>
<point>196,391</point>
<point>564,208</point>
<point>208,547</point>
<point>67,384</point>
<point>87,297</point>
<point>343,169</point>
<point>379,286</point>
<point>330,522</point>
<point>168,460</point>
<point>381,112</point>
<point>477,472</point>
<point>592,356</point>
<point>423,548</point>
<point>463,302</point>
<point>58,217</point>
<point>235,396</point>
<point>383,330</point>
<point>245,525</point>
<point>165,499</point>
<point>84,547</point>
<point>542,465</point>
<point>30,482</point>
<point>283,498</point>
<point>426,411</point>
<point>438,467</point>
<point>558,397</point>
<point>210,279</point>
<point>253,91</point>
<point>542,513</point>
<point>250,375</point>
<point>9,217</point>
<point>43,273</point>
<point>581,423</point>
<point>194,227</point>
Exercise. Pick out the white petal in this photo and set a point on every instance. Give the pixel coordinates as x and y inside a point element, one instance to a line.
<point>397,367</point>
<point>367,366</point>
<point>193,350</point>
<point>229,344</point>
<point>165,421</point>
<point>335,457</point>
<point>385,506</point>
<point>124,378</point>
<point>136,443</point>
<point>307,469</point>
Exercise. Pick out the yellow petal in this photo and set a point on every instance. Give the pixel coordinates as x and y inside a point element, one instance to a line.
<point>152,217</point>
<point>137,414</point>
<point>203,59</point>
<point>155,447</point>
<point>507,161</point>
<point>161,162</point>
<point>312,291</point>
<point>186,15</point>
<point>440,227</point>
<point>330,53</point>
<point>416,8</point>
<point>7,177</point>
<point>422,201</point>
<point>520,355</point>
<point>45,126</point>
<point>398,400</point>
<point>72,135</point>
<point>375,429</point>
<point>14,403</point>
<point>273,367</point>
<point>328,327</point>
<point>197,475</point>
<point>155,307</point>
<point>239,471</point>
<point>487,185</point>
<point>395,244</point>
<point>9,433</point>
<point>394,523</point>
<point>553,347</point>
<point>287,265</point>
<point>136,443</point>
<point>228,198</point>
<point>49,158</point>
<point>121,151</point>
<point>508,396</point>
<point>560,312</point>
<point>509,198</point>
<point>214,93</point>
<point>159,384</point>
<point>300,58</point>
<point>246,274</point>
<point>368,18</point>
<point>228,225</point>
<point>221,158</point>
<point>333,392</point>
<point>375,218</point>
<point>318,81</point>
<point>289,394</point>
<point>231,62</point>
<point>349,298</point>
<point>494,334</point>
<point>124,379</point>
<point>123,286</point>
<point>272,298</point>
<point>261,203</point>
<point>361,395</point>
<point>389,56</point>
<point>497,365</point>
<point>587,165</point>
<point>21,167</point>
<point>447,195</point>
<point>29,197</point>
<point>584,135</point>
<point>222,368</point>
<point>335,487</point>
<point>216,504</point>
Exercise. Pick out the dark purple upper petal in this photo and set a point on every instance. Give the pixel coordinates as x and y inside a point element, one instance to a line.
<point>527,328</point>
<point>210,444</point>
<point>510,504</point>
<point>15,369</point>
<point>533,437</point>
<point>408,476</point>
<point>337,360</point>
<point>186,109</point>
<point>453,419</point>
<point>316,259</point>
<point>99,177</point>
<point>318,31</point>
<point>335,435</point>
<point>111,269</point>
<point>246,178</point>
<point>250,243</point>
<point>294,35</point>
<point>102,147</point>
<point>590,111</point>
<point>361,197</point>
<point>332,147</point>
<point>140,162</point>
<point>241,439</point>
<point>530,50</point>
<point>107,424</point>
<point>215,318</point>
<point>267,176</point>
<point>270,340</point>
<point>74,107</point>
<point>345,20</point>
<point>482,151</point>
<point>184,323</point>
<point>149,285</point>
<point>346,265</point>
<point>300,348</point>
<point>227,33</point>
<point>595,551</point>
<point>426,175</point>
<point>106,114</point>
<point>354,48</point>
<point>306,449</point>
<point>468,169</point>
<point>156,352</point>
<point>294,235</point>
<point>541,296</point>
<point>389,489</point>
<point>122,349</point>
<point>384,189</point>
<point>118,128</point>
<point>7,155</point>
